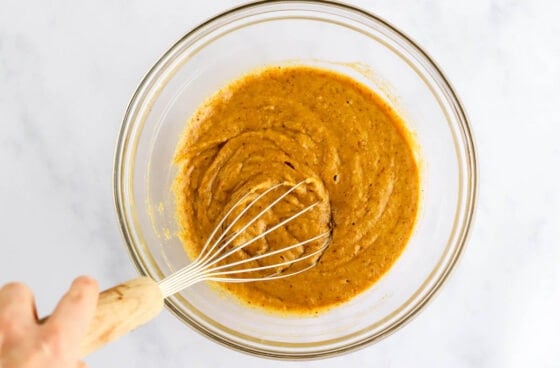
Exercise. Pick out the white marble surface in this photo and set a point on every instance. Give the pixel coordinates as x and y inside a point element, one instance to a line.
<point>68,68</point>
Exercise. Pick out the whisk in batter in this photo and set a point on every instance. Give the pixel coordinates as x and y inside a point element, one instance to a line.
<point>246,245</point>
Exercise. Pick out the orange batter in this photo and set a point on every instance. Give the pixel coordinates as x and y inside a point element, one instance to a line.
<point>286,124</point>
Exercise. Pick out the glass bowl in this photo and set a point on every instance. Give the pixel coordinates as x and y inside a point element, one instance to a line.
<point>329,35</point>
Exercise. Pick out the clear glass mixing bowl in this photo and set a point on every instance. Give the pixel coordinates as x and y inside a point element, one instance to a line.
<point>302,32</point>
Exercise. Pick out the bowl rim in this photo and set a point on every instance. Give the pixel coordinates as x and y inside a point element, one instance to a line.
<point>471,189</point>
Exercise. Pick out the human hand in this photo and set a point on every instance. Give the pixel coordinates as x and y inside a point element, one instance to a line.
<point>26,343</point>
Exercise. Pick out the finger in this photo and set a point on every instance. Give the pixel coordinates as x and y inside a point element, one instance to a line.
<point>74,312</point>
<point>81,365</point>
<point>17,304</point>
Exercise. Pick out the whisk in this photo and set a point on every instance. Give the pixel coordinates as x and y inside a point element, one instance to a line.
<point>133,303</point>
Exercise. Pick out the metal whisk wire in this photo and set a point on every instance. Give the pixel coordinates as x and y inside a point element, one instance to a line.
<point>205,267</point>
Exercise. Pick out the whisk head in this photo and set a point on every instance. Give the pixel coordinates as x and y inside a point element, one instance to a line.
<point>232,252</point>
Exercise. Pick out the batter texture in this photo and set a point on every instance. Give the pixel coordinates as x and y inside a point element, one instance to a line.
<point>284,125</point>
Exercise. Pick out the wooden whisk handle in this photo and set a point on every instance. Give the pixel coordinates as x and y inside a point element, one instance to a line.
<point>120,310</point>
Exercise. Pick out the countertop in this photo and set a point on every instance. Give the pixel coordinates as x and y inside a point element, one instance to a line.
<point>68,69</point>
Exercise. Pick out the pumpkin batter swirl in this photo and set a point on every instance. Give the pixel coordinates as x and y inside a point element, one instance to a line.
<point>285,125</point>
